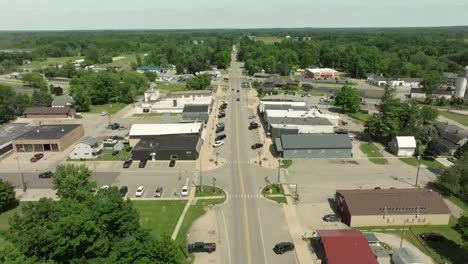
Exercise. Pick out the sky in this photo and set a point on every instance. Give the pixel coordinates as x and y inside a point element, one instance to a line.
<point>201,14</point>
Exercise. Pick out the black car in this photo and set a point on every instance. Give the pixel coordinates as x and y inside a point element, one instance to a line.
<point>331,218</point>
<point>46,175</point>
<point>221,115</point>
<point>253,126</point>
<point>220,137</point>
<point>238,91</point>
<point>238,99</point>
<point>341,131</point>
<point>127,163</point>
<point>219,129</point>
<point>123,190</point>
<point>128,149</point>
<point>142,163</point>
<point>432,236</point>
<point>172,163</point>
<point>283,247</point>
<point>115,152</point>
<point>256,146</point>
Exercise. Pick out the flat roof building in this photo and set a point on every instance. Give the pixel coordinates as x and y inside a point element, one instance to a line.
<point>322,73</point>
<point>196,113</point>
<point>308,125</point>
<point>49,112</point>
<point>9,132</point>
<point>141,131</point>
<point>382,207</point>
<point>48,138</point>
<point>314,146</point>
<point>168,147</point>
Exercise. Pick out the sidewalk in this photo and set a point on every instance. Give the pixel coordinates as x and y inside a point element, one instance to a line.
<point>181,218</point>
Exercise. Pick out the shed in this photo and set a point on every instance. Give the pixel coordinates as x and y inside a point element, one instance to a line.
<point>403,146</point>
<point>316,146</point>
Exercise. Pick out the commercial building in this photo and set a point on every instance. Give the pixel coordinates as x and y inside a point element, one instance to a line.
<point>281,105</point>
<point>314,146</point>
<point>403,146</point>
<point>396,82</point>
<point>451,138</point>
<point>86,148</point>
<point>48,138</point>
<point>49,112</point>
<point>176,105</point>
<point>290,113</point>
<point>420,93</point>
<point>344,246</point>
<point>196,113</point>
<point>168,147</point>
<point>383,207</point>
<point>307,125</point>
<point>151,131</point>
<point>8,133</point>
<point>322,73</point>
<point>62,101</point>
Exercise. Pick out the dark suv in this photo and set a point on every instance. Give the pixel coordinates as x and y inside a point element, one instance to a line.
<point>46,174</point>
<point>142,163</point>
<point>127,163</point>
<point>220,137</point>
<point>283,247</point>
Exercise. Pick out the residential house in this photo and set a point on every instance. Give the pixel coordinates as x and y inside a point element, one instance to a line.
<point>451,138</point>
<point>86,148</point>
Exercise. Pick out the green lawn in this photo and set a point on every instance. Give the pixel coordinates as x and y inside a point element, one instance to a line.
<point>109,108</point>
<point>171,86</point>
<point>193,213</point>
<point>275,189</point>
<point>155,114</point>
<point>316,93</point>
<point>373,153</point>
<point>209,190</point>
<point>107,155</point>
<point>360,116</point>
<point>159,216</point>
<point>286,163</point>
<point>279,199</point>
<point>11,84</point>
<point>459,118</point>
<point>428,163</point>
<point>459,203</point>
<point>52,61</point>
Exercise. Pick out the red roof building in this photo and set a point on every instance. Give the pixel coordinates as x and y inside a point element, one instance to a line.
<point>346,246</point>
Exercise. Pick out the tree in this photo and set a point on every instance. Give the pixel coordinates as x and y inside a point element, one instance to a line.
<point>34,80</point>
<point>428,114</point>
<point>92,55</point>
<point>41,98</point>
<point>349,100</point>
<point>72,182</point>
<point>431,82</point>
<point>82,100</point>
<point>462,228</point>
<point>151,76</point>
<point>199,82</point>
<point>7,196</point>
<point>455,179</point>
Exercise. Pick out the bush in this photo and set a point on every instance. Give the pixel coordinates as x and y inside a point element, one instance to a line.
<point>7,196</point>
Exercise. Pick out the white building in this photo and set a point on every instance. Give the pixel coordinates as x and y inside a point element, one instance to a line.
<point>309,125</point>
<point>86,148</point>
<point>396,82</point>
<point>139,131</point>
<point>290,113</point>
<point>263,104</point>
<point>322,73</point>
<point>152,94</point>
<point>403,146</point>
<point>176,105</point>
<point>420,93</point>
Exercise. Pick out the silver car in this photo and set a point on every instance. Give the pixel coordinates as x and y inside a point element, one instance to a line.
<point>158,192</point>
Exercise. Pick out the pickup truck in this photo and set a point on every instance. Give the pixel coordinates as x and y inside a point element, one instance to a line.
<point>201,247</point>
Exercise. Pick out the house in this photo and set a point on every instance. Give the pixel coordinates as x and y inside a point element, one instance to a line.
<point>168,147</point>
<point>53,138</point>
<point>8,133</point>
<point>275,81</point>
<point>404,255</point>
<point>142,131</point>
<point>196,113</point>
<point>63,101</point>
<point>324,73</point>
<point>386,207</point>
<point>344,246</point>
<point>307,125</point>
<point>314,146</point>
<point>261,74</point>
<point>49,112</point>
<point>420,93</point>
<point>86,148</point>
<point>403,146</point>
<point>451,138</point>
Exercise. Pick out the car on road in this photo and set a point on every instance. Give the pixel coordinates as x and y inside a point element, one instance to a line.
<point>283,247</point>
<point>256,146</point>
<point>331,218</point>
<point>185,190</point>
<point>253,125</point>
<point>103,113</point>
<point>218,143</point>
<point>115,152</point>
<point>158,192</point>
<point>201,247</point>
<point>172,163</point>
<point>37,157</point>
<point>142,163</point>
<point>220,124</point>
<point>127,163</point>
<point>46,175</point>
<point>220,137</point>
<point>123,190</point>
<point>140,191</point>
<point>252,117</point>
<point>432,236</point>
<point>219,129</point>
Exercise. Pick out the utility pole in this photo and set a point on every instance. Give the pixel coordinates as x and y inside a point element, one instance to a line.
<point>201,176</point>
<point>279,169</point>
<point>417,173</point>
<point>23,184</point>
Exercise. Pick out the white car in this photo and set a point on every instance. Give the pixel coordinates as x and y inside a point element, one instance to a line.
<point>218,143</point>
<point>103,113</point>
<point>140,191</point>
<point>184,191</point>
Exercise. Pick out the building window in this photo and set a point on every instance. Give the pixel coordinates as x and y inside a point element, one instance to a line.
<point>19,148</point>
<point>38,147</point>
<point>54,147</point>
<point>28,148</point>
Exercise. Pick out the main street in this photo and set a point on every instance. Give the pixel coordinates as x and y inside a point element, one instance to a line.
<point>248,225</point>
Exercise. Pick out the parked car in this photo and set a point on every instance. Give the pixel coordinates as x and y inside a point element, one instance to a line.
<point>238,91</point>
<point>113,126</point>
<point>331,218</point>
<point>220,124</point>
<point>127,163</point>
<point>142,163</point>
<point>283,247</point>
<point>128,149</point>
<point>432,236</point>
<point>115,152</point>
<point>172,163</point>
<point>341,131</point>
<point>37,157</point>
<point>158,192</point>
<point>253,126</point>
<point>46,175</point>
<point>185,190</point>
<point>256,146</point>
<point>104,187</point>
<point>123,191</point>
<point>218,143</point>
<point>221,115</point>
<point>140,191</point>
<point>238,99</point>
<point>201,247</point>
<point>452,159</point>
<point>219,129</point>
<point>428,157</point>
<point>103,113</point>
<point>220,137</point>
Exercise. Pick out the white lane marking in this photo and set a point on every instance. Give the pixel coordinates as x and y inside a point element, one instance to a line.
<point>227,238</point>
<point>261,235</point>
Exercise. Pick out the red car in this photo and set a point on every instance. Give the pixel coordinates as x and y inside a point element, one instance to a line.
<point>37,157</point>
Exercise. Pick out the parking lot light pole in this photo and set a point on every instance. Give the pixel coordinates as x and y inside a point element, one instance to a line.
<point>23,184</point>
<point>417,173</point>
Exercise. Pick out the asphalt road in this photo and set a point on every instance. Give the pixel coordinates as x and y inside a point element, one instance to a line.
<point>248,225</point>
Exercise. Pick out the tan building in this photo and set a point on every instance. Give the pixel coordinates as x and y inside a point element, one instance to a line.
<point>322,73</point>
<point>49,112</point>
<point>48,138</point>
<point>382,207</point>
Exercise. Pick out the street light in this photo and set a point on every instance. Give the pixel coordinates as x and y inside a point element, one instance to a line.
<point>23,184</point>
<point>417,173</point>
